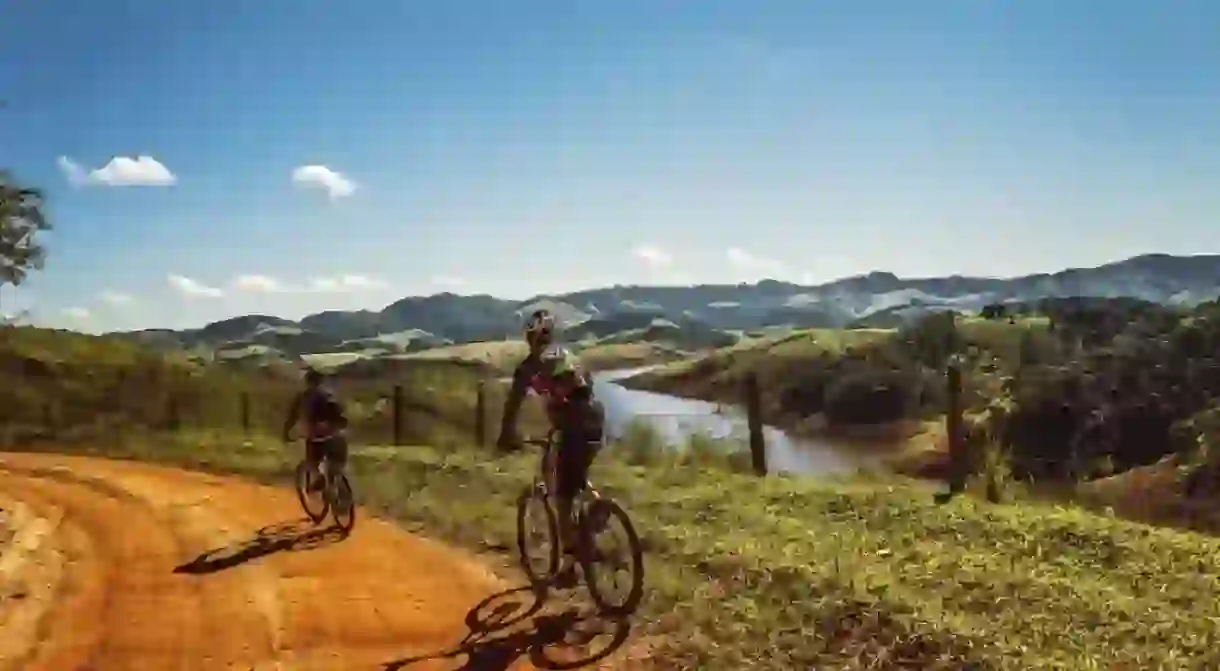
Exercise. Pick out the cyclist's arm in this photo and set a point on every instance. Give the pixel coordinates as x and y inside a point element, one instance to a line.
<point>512,404</point>
<point>294,413</point>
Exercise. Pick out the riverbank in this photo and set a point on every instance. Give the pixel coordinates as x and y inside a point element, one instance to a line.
<point>774,574</point>
<point>658,421</point>
<point>909,446</point>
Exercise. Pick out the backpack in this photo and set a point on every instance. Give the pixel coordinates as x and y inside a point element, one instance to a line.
<point>325,407</point>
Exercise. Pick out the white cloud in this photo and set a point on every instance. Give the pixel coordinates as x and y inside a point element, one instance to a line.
<point>143,170</point>
<point>76,313</point>
<point>450,281</point>
<point>361,282</point>
<point>746,262</point>
<point>257,284</point>
<point>189,287</point>
<point>324,284</point>
<point>337,185</point>
<point>346,283</point>
<point>76,175</point>
<point>807,279</point>
<point>116,298</point>
<point>653,256</point>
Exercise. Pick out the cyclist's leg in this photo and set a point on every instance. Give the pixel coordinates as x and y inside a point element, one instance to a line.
<point>314,453</point>
<point>580,438</point>
<point>336,455</point>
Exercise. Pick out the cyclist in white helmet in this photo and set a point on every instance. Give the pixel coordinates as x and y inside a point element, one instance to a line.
<point>555,374</point>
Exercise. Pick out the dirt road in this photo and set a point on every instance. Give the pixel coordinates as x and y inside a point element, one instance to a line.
<point>127,566</point>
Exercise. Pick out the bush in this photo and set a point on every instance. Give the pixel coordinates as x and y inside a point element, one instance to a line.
<point>871,396</point>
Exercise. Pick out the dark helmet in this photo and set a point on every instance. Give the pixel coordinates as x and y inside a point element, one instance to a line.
<point>313,376</point>
<point>539,326</point>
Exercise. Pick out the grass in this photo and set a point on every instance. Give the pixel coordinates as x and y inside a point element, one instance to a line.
<point>775,573</point>
<point>68,387</point>
<point>743,572</point>
<point>503,356</point>
<point>610,356</point>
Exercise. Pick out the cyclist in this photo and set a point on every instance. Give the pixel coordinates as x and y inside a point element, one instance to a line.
<point>325,422</point>
<point>555,374</point>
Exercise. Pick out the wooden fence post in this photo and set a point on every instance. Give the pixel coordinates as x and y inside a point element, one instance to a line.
<point>480,415</point>
<point>245,411</point>
<point>955,430</point>
<point>758,445</point>
<point>398,414</point>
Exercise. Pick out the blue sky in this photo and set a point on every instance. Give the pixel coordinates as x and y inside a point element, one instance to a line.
<point>523,147</point>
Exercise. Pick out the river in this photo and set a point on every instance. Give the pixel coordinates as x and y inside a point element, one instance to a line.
<point>676,418</point>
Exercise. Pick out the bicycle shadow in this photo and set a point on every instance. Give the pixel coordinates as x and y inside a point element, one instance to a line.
<point>517,627</point>
<point>294,536</point>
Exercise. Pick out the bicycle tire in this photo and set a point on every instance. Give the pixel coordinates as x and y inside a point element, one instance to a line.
<point>591,568</point>
<point>343,490</point>
<point>537,497</point>
<point>302,482</point>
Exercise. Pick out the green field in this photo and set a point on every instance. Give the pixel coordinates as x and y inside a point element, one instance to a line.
<point>748,573</point>
<point>743,572</point>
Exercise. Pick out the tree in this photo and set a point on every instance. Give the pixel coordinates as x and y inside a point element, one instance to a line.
<point>994,311</point>
<point>21,220</point>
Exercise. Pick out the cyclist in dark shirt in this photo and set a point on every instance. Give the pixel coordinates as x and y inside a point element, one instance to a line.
<point>325,425</point>
<point>555,374</point>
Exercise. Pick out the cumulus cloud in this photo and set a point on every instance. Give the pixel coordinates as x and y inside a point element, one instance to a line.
<point>188,287</point>
<point>748,263</point>
<point>361,282</point>
<point>116,298</point>
<point>346,283</point>
<point>76,313</point>
<point>653,256</point>
<point>257,284</point>
<point>336,184</point>
<point>143,170</point>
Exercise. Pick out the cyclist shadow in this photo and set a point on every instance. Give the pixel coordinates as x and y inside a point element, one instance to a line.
<point>511,625</point>
<point>293,536</point>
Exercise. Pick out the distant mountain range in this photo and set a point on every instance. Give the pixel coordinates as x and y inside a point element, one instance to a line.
<point>695,316</point>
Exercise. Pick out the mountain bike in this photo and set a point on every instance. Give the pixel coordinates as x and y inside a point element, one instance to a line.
<point>336,494</point>
<point>593,514</point>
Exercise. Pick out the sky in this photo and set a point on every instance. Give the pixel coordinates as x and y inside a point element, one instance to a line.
<point>204,160</point>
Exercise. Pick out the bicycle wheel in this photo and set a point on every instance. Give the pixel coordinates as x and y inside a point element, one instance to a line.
<point>537,535</point>
<point>597,518</point>
<point>343,509</point>
<point>314,504</point>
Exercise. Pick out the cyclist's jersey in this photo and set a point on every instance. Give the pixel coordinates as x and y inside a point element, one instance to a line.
<point>556,375</point>
<point>322,412</point>
<point>553,365</point>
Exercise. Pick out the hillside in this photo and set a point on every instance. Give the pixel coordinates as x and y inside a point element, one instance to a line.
<point>742,572</point>
<point>1087,389</point>
<point>878,299</point>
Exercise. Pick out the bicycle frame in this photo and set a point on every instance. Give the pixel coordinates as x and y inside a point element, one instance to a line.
<point>327,472</point>
<point>548,473</point>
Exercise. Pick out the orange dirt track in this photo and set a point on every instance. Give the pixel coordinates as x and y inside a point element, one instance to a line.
<point>123,566</point>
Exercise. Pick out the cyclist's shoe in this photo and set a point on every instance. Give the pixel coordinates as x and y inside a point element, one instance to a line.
<point>566,577</point>
<point>317,484</point>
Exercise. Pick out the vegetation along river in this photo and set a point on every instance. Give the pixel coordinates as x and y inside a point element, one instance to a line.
<point>677,418</point>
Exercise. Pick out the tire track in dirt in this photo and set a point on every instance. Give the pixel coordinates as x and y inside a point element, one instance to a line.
<point>146,567</point>
<point>31,570</point>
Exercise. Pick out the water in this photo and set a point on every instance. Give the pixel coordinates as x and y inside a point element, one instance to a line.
<point>676,418</point>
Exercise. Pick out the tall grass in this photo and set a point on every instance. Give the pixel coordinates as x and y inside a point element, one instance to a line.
<point>641,443</point>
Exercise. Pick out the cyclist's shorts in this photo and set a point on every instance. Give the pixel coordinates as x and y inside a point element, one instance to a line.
<point>333,448</point>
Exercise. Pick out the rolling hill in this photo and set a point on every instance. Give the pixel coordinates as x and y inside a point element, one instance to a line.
<point>695,316</point>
